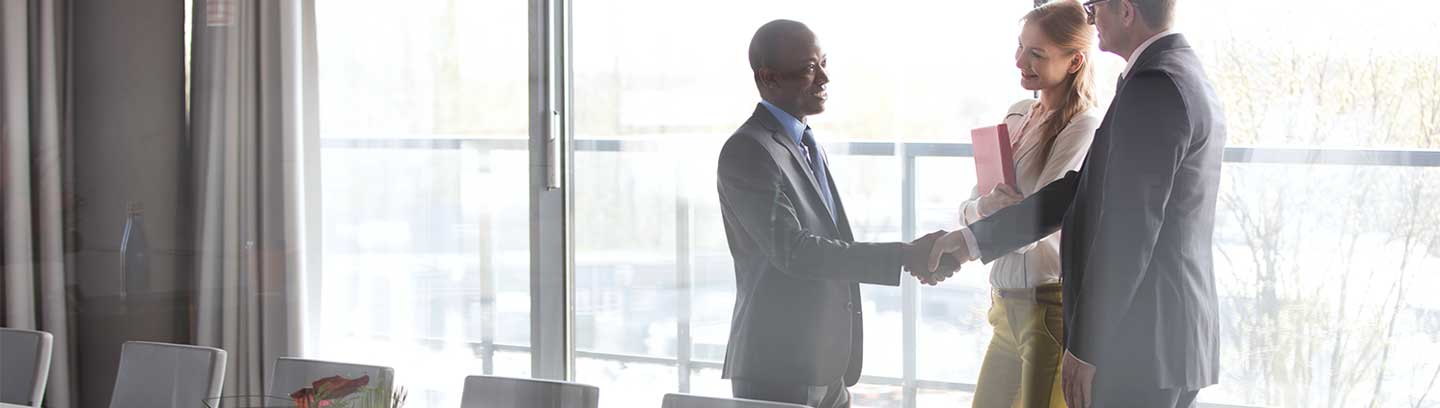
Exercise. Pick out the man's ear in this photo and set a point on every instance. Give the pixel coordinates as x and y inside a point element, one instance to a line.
<point>1128,13</point>
<point>765,77</point>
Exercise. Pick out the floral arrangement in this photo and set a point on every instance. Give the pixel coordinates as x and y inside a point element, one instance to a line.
<point>339,392</point>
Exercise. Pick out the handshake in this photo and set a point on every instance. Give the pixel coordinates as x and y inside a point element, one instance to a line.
<point>926,258</point>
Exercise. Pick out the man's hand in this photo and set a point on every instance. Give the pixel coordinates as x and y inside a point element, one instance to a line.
<point>952,243</point>
<point>1076,378</point>
<point>917,260</point>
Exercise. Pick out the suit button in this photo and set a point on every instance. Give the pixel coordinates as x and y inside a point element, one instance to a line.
<point>850,306</point>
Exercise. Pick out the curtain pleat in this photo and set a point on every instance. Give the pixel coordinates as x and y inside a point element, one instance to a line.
<point>35,181</point>
<point>248,123</point>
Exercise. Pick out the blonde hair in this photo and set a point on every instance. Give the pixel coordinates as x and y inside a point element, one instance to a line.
<point>1064,22</point>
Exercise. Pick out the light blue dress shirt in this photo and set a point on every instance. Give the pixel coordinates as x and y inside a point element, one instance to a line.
<point>795,127</point>
<point>797,130</point>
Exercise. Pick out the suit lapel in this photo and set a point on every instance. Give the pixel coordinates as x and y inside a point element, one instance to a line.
<point>796,156</point>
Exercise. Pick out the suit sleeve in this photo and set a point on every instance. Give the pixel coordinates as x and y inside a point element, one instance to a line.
<point>1149,136</point>
<point>1067,154</point>
<point>1030,220</point>
<point>754,193</point>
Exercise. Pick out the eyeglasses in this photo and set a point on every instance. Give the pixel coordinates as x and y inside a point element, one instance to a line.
<point>1090,10</point>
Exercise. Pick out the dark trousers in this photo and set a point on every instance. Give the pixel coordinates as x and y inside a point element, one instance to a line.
<point>834,395</point>
<point>1118,394</point>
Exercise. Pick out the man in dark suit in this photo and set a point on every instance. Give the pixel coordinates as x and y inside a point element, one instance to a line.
<point>1140,308</point>
<point>796,333</point>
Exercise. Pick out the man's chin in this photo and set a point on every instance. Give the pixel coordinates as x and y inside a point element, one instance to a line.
<point>816,109</point>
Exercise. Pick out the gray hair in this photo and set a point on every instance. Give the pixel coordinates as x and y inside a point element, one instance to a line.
<point>1156,13</point>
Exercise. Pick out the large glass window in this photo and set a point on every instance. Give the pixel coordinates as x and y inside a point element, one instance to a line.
<point>425,261</point>
<point>1324,244</point>
<point>1319,248</point>
<point>1321,243</point>
<point>659,89</point>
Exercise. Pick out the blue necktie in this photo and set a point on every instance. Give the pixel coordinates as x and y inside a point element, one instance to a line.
<point>817,166</point>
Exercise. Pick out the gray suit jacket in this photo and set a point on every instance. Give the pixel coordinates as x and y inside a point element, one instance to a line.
<point>797,302</point>
<point>1139,287</point>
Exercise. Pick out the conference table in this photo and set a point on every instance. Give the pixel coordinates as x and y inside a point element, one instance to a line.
<point>248,401</point>
<point>229,402</point>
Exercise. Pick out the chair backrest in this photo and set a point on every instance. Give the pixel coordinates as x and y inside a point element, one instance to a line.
<point>163,375</point>
<point>291,374</point>
<point>483,391</point>
<point>24,366</point>
<point>696,401</point>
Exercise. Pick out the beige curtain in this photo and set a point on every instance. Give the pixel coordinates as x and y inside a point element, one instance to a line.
<point>252,124</point>
<point>35,179</point>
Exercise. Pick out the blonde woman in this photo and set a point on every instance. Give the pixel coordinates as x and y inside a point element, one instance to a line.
<point>1051,136</point>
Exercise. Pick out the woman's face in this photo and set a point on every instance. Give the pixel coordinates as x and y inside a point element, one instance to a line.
<point>1042,63</point>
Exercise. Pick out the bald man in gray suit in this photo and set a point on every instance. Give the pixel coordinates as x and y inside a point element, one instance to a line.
<point>796,335</point>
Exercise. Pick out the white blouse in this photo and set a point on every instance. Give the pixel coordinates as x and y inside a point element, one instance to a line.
<point>1038,263</point>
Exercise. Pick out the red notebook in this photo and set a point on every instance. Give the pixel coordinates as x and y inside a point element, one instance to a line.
<point>994,162</point>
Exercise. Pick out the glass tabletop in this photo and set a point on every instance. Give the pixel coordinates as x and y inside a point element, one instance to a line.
<point>249,401</point>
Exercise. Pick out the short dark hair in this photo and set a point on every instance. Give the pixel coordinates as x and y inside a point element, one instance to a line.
<point>768,39</point>
<point>1156,13</point>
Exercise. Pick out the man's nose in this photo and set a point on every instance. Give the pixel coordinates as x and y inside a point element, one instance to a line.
<point>822,76</point>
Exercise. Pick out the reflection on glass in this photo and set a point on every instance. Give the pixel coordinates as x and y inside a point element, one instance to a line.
<point>707,382</point>
<point>871,192</point>
<point>943,398</point>
<point>513,364</point>
<point>625,259</point>
<point>627,384</point>
<point>424,251</point>
<point>1312,274</point>
<point>951,332</point>
<point>876,396</point>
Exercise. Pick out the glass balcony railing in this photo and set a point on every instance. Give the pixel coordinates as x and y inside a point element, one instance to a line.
<point>1322,260</point>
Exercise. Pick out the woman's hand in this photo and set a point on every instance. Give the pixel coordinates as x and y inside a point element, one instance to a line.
<point>1000,197</point>
<point>952,244</point>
